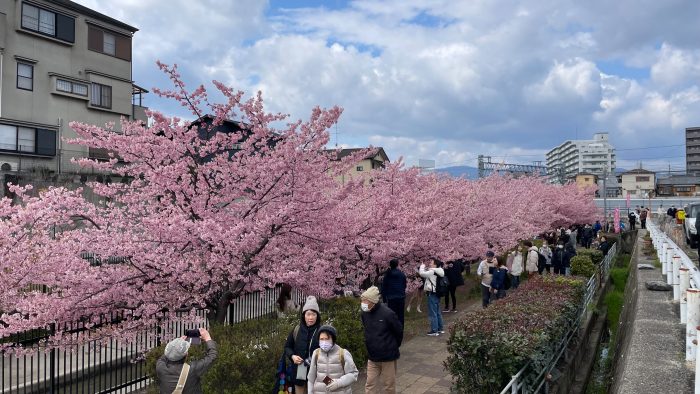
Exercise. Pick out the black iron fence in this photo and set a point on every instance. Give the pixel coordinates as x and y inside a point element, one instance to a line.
<point>106,365</point>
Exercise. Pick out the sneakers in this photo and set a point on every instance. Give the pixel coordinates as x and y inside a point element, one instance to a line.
<point>454,311</point>
<point>419,311</point>
<point>441,331</point>
<point>433,334</point>
<point>445,311</point>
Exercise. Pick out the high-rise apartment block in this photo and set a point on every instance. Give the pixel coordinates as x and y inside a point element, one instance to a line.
<point>567,160</point>
<point>60,62</point>
<point>692,151</point>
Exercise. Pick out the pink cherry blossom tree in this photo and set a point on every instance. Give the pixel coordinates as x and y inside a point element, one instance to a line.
<point>202,216</point>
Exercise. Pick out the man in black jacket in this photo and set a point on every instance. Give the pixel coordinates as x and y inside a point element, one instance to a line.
<point>383,337</point>
<point>169,366</point>
<point>394,289</point>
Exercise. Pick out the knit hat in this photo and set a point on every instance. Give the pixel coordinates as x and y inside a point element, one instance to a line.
<point>176,349</point>
<point>371,295</point>
<point>311,305</point>
<point>330,330</point>
<point>490,254</point>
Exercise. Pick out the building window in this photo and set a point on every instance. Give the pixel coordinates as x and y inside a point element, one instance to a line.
<point>25,76</point>
<point>48,23</point>
<point>101,96</point>
<point>109,43</point>
<point>642,179</point>
<point>359,168</point>
<point>71,87</point>
<point>27,140</point>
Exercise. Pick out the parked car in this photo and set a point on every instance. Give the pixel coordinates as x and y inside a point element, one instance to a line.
<point>691,232</point>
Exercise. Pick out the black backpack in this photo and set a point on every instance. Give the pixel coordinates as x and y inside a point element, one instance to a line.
<point>541,260</point>
<point>441,285</point>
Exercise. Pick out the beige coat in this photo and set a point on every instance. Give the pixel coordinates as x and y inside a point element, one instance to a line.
<point>532,260</point>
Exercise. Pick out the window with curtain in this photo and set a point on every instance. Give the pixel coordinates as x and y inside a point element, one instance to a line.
<point>101,96</point>
<point>26,139</point>
<point>48,23</point>
<point>109,44</point>
<point>8,137</point>
<point>25,76</point>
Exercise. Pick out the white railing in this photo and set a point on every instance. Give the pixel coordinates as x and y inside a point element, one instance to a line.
<point>682,273</point>
<point>531,380</point>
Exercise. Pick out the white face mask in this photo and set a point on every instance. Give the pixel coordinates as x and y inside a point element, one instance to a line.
<point>325,345</point>
<point>364,307</point>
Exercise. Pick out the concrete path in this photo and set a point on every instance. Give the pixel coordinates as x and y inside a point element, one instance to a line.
<point>652,359</point>
<point>421,368</point>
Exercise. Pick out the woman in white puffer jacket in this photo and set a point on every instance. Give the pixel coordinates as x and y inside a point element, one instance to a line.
<point>332,368</point>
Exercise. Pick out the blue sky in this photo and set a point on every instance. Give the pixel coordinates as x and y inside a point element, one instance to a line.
<point>444,80</point>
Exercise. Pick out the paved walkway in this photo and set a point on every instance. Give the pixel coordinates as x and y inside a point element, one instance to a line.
<point>421,367</point>
<point>652,358</point>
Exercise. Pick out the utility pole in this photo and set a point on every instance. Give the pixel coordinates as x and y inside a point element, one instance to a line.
<point>605,193</point>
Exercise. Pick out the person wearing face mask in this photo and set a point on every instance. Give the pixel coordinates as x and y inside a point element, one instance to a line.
<point>332,367</point>
<point>302,341</point>
<point>383,337</point>
<point>558,258</point>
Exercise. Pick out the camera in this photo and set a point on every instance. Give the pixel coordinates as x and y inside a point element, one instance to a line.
<point>193,336</point>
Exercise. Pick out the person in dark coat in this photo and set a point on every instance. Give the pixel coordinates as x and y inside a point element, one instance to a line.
<point>383,337</point>
<point>498,283</point>
<point>453,272</point>
<point>169,366</point>
<point>558,257</point>
<point>394,289</point>
<point>587,236</point>
<point>604,246</point>
<point>302,341</point>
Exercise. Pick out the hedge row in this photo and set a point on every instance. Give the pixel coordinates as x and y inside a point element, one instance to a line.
<point>249,351</point>
<point>488,346</point>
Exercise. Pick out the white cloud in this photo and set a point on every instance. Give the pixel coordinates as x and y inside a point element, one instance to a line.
<point>443,79</point>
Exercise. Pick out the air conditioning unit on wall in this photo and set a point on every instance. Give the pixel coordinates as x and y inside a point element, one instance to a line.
<point>8,165</point>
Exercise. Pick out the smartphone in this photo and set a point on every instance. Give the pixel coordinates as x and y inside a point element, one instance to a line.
<point>327,380</point>
<point>193,336</point>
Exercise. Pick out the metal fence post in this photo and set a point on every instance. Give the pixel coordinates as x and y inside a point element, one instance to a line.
<point>662,257</point>
<point>693,322</point>
<point>669,266</point>
<point>685,284</point>
<point>676,279</point>
<point>52,363</point>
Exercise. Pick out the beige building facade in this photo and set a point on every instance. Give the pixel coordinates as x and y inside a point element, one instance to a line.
<point>60,62</point>
<point>638,183</point>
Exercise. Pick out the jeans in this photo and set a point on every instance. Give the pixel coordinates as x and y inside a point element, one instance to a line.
<point>514,281</point>
<point>398,306</point>
<point>485,295</point>
<point>434,313</point>
<point>567,271</point>
<point>452,292</point>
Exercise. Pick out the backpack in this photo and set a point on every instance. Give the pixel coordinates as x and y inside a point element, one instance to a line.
<point>441,285</point>
<point>507,282</point>
<point>541,260</point>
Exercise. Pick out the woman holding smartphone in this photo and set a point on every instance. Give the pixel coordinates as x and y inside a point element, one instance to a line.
<point>332,368</point>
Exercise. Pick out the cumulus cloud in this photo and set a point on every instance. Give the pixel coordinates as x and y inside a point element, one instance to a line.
<point>442,79</point>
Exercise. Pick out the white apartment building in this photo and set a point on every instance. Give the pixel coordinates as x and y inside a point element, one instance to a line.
<point>576,156</point>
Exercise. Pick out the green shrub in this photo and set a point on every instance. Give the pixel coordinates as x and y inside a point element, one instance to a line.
<point>250,351</point>
<point>582,265</point>
<point>488,346</point>
<point>595,255</point>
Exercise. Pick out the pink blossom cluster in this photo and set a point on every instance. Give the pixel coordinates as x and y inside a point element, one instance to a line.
<point>198,223</point>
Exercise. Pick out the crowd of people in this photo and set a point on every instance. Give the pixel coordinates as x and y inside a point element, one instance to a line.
<point>320,365</point>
